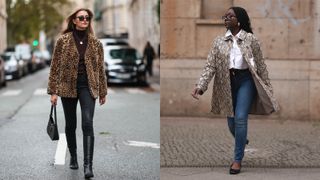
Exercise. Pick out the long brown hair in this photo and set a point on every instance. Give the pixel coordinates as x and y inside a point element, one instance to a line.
<point>71,26</point>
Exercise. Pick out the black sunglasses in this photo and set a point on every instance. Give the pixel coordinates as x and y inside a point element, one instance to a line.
<point>82,18</point>
<point>229,16</point>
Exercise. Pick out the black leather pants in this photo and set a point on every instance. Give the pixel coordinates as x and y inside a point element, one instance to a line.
<point>87,104</point>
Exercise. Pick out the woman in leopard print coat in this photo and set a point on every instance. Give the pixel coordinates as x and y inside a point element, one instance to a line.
<point>241,84</point>
<point>77,74</point>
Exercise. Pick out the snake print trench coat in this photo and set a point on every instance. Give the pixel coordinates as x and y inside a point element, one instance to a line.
<point>217,67</point>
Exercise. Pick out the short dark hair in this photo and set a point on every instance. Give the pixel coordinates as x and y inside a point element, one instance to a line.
<point>243,18</point>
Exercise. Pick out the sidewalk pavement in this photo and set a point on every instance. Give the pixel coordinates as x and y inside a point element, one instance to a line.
<point>246,174</point>
<point>205,145</point>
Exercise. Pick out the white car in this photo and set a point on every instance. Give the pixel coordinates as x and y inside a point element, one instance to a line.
<point>13,66</point>
<point>124,64</point>
<point>114,41</point>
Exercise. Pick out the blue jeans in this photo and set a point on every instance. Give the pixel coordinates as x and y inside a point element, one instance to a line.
<point>243,93</point>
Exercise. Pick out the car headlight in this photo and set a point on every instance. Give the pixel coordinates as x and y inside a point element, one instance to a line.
<point>10,68</point>
<point>142,67</point>
<point>138,61</point>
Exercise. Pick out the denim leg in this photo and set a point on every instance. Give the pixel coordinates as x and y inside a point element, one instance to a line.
<point>87,103</point>
<point>234,101</point>
<point>245,95</point>
<point>70,114</point>
<point>231,125</point>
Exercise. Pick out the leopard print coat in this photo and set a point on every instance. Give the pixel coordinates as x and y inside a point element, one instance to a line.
<point>217,66</point>
<point>64,67</point>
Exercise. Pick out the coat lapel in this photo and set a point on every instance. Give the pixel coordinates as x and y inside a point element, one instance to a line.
<point>73,47</point>
<point>88,56</point>
<point>88,49</point>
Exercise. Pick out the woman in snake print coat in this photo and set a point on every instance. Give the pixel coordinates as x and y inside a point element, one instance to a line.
<point>241,83</point>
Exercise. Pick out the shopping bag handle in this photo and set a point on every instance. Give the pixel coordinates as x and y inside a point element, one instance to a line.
<point>53,109</point>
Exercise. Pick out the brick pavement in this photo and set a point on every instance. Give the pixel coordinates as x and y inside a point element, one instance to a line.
<point>205,142</point>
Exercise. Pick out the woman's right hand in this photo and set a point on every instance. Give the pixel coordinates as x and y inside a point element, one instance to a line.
<point>196,92</point>
<point>54,99</point>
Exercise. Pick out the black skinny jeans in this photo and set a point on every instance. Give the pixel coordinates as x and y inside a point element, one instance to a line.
<point>87,104</point>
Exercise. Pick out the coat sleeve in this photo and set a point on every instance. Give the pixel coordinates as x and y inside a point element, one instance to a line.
<point>209,69</point>
<point>54,68</point>
<point>260,63</point>
<point>102,73</point>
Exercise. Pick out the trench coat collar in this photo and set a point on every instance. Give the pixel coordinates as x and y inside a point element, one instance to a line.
<point>241,35</point>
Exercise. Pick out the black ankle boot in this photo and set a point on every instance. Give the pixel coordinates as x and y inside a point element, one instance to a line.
<point>73,160</point>
<point>88,143</point>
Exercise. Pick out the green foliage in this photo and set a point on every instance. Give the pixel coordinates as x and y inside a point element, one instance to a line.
<point>27,17</point>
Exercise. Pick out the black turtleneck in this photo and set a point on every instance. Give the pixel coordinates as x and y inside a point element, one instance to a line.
<point>81,36</point>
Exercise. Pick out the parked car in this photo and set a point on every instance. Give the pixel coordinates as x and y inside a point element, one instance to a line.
<point>2,73</point>
<point>46,56</point>
<point>114,41</point>
<point>25,63</point>
<point>124,64</point>
<point>13,67</point>
<point>23,51</point>
<point>38,58</point>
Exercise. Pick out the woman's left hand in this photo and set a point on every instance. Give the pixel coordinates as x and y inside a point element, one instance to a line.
<point>102,100</point>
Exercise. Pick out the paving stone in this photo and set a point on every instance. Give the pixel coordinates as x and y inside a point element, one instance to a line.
<point>205,142</point>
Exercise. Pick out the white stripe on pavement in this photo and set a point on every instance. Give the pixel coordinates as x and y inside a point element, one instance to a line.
<point>110,91</point>
<point>60,156</point>
<point>135,91</point>
<point>12,92</point>
<point>40,92</point>
<point>142,144</point>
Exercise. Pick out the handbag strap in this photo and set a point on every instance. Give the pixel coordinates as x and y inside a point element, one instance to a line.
<point>53,109</point>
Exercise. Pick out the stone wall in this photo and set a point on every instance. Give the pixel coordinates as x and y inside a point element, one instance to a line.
<point>3,25</point>
<point>143,24</point>
<point>289,33</point>
<point>114,17</point>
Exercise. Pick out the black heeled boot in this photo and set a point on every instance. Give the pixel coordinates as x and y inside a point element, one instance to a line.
<point>73,159</point>
<point>88,143</point>
<point>72,145</point>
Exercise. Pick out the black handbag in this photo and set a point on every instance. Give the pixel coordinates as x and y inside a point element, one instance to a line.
<point>52,127</point>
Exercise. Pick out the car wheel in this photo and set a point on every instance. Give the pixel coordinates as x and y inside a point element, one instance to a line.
<point>16,75</point>
<point>26,71</point>
<point>21,73</point>
<point>142,80</point>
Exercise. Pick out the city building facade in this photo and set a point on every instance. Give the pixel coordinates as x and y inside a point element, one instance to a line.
<point>136,20</point>
<point>289,32</point>
<point>3,25</point>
